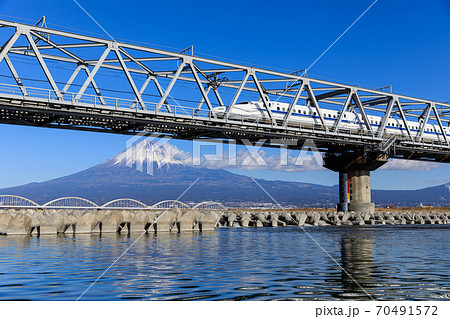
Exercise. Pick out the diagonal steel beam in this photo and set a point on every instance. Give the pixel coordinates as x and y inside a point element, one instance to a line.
<point>330,94</point>
<point>200,86</point>
<point>438,119</point>
<point>93,73</point>
<point>171,84</point>
<point>8,45</point>
<point>130,79</point>
<point>15,75</point>
<point>377,101</point>
<point>402,115</point>
<point>263,98</point>
<point>161,93</point>
<point>72,77</point>
<point>94,85</point>
<point>238,93</point>
<point>343,110</point>
<point>362,111</point>
<point>44,67</point>
<point>151,75</point>
<point>293,104</point>
<point>200,104</point>
<point>425,121</point>
<point>386,117</point>
<point>219,99</point>
<point>143,87</point>
<point>54,45</point>
<point>315,104</point>
<point>131,58</point>
<point>214,84</point>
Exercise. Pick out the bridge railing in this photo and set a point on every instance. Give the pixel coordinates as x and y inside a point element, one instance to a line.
<point>129,104</point>
<point>101,101</point>
<point>113,103</point>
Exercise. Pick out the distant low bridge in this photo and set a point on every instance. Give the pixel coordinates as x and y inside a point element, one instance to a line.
<point>13,201</point>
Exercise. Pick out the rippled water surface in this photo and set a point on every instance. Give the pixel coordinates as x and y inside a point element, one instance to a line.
<point>397,262</point>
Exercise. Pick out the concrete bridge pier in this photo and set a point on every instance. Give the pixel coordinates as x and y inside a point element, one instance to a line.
<point>344,195</point>
<point>359,190</point>
<point>354,178</point>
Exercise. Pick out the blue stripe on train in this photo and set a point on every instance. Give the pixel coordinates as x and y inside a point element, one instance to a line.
<point>333,119</point>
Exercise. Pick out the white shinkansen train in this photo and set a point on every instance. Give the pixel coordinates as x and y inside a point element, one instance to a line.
<point>307,115</point>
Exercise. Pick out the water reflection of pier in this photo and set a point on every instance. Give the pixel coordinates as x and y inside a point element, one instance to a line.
<point>357,261</point>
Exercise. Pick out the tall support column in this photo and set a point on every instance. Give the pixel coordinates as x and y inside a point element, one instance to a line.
<point>354,178</point>
<point>360,198</point>
<point>344,196</point>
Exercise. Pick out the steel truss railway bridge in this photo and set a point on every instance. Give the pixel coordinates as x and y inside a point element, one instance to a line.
<point>56,79</point>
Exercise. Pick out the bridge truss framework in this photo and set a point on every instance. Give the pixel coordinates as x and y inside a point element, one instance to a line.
<point>153,85</point>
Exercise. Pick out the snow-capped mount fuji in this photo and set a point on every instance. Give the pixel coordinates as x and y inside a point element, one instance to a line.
<point>150,156</point>
<point>151,172</point>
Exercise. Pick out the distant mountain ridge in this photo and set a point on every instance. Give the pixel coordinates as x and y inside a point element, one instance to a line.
<point>124,176</point>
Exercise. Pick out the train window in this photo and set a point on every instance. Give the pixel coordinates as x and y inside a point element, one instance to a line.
<point>270,104</point>
<point>345,115</point>
<point>284,109</point>
<point>309,112</point>
<point>314,113</point>
<point>329,115</point>
<point>278,108</point>
<point>304,112</point>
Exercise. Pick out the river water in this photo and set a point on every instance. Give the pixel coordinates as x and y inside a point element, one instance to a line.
<point>385,263</point>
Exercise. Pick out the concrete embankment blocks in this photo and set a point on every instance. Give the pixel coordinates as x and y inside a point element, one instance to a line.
<point>20,224</point>
<point>101,221</point>
<point>284,218</point>
<point>125,221</point>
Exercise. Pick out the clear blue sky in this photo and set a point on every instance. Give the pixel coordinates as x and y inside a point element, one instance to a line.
<point>405,44</point>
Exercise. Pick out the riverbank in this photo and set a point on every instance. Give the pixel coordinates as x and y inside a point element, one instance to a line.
<point>79,221</point>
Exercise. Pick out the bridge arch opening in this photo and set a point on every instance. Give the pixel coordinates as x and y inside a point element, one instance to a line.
<point>16,201</point>
<point>66,202</point>
<point>209,205</point>
<point>124,203</point>
<point>167,204</point>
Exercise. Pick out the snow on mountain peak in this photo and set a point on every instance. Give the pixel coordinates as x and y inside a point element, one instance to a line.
<point>147,151</point>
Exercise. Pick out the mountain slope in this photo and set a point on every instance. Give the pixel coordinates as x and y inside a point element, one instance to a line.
<point>119,177</point>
